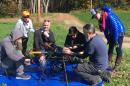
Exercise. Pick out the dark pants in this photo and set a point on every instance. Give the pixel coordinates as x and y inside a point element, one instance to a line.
<point>24,44</point>
<point>13,66</point>
<point>118,49</point>
<point>88,72</point>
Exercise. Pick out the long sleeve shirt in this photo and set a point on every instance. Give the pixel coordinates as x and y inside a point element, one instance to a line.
<point>27,27</point>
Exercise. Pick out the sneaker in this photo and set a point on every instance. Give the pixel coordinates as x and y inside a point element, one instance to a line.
<point>24,77</point>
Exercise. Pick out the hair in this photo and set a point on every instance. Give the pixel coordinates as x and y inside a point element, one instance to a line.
<point>73,30</point>
<point>89,28</point>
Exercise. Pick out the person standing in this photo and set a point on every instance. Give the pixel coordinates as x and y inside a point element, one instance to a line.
<point>24,23</point>
<point>114,32</point>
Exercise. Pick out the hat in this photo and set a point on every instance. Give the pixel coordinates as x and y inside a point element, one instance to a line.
<point>25,14</point>
<point>93,13</point>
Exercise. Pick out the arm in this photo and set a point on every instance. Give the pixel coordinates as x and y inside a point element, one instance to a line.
<point>67,41</point>
<point>89,49</point>
<point>12,53</point>
<point>114,27</point>
<point>36,45</point>
<point>51,38</point>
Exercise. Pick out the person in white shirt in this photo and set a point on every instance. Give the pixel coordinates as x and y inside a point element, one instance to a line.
<point>24,25</point>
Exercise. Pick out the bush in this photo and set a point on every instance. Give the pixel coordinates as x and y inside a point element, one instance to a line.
<point>8,8</point>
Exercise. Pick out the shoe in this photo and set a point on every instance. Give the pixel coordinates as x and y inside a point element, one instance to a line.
<point>106,76</point>
<point>23,76</point>
<point>96,82</point>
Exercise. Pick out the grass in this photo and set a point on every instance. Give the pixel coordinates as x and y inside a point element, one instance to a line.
<point>121,78</point>
<point>85,16</point>
<point>5,29</point>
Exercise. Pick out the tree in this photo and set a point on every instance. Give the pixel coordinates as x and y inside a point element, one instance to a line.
<point>46,5</point>
<point>19,3</point>
<point>33,6</point>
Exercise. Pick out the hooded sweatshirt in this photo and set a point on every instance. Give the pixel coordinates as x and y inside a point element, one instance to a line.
<point>8,48</point>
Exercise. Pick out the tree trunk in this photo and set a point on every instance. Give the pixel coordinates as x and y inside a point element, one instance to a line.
<point>20,5</point>
<point>46,5</point>
<point>34,6</point>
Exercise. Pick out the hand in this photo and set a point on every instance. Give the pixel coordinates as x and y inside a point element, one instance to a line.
<point>46,34</point>
<point>27,62</point>
<point>67,50</point>
<point>42,59</point>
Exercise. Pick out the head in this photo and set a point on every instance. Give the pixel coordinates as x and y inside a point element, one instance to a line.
<point>73,31</point>
<point>89,31</point>
<point>95,14</point>
<point>25,16</point>
<point>46,25</point>
<point>16,36</point>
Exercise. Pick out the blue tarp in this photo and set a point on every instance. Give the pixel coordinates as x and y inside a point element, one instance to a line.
<point>49,78</point>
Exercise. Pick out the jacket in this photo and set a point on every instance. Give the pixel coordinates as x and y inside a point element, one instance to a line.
<point>114,26</point>
<point>8,48</point>
<point>27,27</point>
<point>40,39</point>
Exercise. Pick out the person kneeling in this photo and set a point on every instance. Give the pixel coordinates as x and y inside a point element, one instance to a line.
<point>11,54</point>
<point>95,70</point>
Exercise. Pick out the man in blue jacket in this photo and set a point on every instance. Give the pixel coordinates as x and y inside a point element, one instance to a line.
<point>114,33</point>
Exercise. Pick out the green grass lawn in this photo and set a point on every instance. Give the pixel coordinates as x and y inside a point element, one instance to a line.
<point>5,29</point>
<point>85,16</point>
